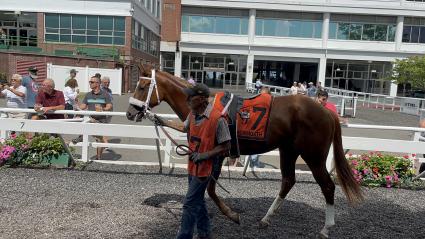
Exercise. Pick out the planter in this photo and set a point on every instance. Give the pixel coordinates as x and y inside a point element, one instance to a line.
<point>61,161</point>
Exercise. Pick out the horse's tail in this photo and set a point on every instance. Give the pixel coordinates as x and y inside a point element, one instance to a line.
<point>345,175</point>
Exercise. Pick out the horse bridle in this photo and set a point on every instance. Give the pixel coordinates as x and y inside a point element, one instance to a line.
<point>144,105</point>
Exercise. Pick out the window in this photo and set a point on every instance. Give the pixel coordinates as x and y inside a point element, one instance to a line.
<point>215,24</point>
<point>83,29</point>
<point>142,39</point>
<point>355,31</point>
<point>288,28</point>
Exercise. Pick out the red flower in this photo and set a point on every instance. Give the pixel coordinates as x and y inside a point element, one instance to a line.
<point>406,156</point>
<point>375,170</point>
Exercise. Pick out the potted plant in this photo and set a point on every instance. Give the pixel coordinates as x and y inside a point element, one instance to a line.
<point>41,150</point>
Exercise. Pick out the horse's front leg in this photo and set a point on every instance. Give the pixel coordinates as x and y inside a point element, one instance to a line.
<point>226,210</point>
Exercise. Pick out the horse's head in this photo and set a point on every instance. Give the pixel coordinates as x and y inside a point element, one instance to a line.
<point>146,96</point>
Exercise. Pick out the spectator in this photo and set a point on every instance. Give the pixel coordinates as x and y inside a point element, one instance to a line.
<point>72,74</point>
<point>294,88</point>
<point>319,85</point>
<point>49,99</point>
<point>301,89</point>
<point>71,92</point>
<point>96,100</point>
<point>15,95</point>
<point>106,81</point>
<point>191,81</point>
<point>311,90</point>
<point>258,85</point>
<point>3,37</point>
<point>98,75</point>
<point>322,98</point>
<point>32,84</point>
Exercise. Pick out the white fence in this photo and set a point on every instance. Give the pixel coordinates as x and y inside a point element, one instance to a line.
<point>61,73</point>
<point>414,146</point>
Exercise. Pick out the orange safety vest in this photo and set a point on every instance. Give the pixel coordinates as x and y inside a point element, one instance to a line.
<point>202,139</point>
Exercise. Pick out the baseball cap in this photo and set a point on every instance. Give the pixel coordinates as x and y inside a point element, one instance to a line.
<point>197,89</point>
<point>33,69</point>
<point>310,83</point>
<point>73,71</point>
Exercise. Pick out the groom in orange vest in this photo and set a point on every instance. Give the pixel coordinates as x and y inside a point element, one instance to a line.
<point>209,141</point>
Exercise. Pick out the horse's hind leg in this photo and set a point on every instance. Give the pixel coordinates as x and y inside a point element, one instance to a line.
<point>328,189</point>
<point>287,164</point>
<point>226,210</point>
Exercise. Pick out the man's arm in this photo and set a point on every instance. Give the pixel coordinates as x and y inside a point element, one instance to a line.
<point>220,150</point>
<point>16,92</point>
<point>174,124</point>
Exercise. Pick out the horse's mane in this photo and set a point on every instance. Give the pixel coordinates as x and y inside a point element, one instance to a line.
<point>179,81</point>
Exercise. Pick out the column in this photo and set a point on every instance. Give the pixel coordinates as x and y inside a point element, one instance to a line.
<point>399,32</point>
<point>296,72</point>
<point>250,68</point>
<point>251,26</point>
<point>178,63</point>
<point>325,29</point>
<point>322,71</point>
<point>251,37</point>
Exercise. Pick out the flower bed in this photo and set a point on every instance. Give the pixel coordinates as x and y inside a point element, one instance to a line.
<point>40,150</point>
<point>376,169</point>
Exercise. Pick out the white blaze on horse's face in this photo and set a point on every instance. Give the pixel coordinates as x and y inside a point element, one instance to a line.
<point>147,92</point>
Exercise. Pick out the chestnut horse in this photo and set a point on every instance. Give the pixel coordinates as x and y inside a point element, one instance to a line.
<point>297,125</point>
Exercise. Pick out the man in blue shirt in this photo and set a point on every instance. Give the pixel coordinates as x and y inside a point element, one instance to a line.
<point>32,83</point>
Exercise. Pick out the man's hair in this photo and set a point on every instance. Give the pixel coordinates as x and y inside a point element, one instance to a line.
<point>52,83</point>
<point>17,77</point>
<point>95,77</point>
<point>106,78</point>
<point>321,93</point>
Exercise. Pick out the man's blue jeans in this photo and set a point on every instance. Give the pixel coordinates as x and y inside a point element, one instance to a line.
<point>195,210</point>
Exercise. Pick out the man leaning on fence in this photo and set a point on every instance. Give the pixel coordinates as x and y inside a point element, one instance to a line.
<point>96,100</point>
<point>48,99</point>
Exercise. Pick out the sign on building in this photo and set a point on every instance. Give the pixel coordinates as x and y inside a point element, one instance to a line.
<point>410,106</point>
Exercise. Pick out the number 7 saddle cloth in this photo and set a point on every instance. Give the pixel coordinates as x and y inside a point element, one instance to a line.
<point>247,117</point>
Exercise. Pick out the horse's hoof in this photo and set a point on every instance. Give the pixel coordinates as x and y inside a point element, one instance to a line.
<point>324,233</point>
<point>235,217</point>
<point>264,224</point>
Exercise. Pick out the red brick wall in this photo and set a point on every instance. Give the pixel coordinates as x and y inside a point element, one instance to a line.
<point>171,20</point>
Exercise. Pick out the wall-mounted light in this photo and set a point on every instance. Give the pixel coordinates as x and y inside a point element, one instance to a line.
<point>196,61</point>
<point>373,71</point>
<point>338,69</point>
<point>231,63</point>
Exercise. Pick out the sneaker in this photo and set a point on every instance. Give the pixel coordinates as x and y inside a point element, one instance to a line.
<point>77,140</point>
<point>107,149</point>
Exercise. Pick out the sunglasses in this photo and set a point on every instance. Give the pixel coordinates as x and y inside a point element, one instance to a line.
<point>92,82</point>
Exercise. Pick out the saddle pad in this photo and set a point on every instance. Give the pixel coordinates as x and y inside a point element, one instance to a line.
<point>253,117</point>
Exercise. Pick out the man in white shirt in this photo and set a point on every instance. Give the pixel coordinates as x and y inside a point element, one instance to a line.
<point>15,95</point>
<point>294,88</point>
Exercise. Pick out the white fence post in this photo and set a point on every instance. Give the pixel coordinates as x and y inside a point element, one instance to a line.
<point>85,146</point>
<point>168,149</point>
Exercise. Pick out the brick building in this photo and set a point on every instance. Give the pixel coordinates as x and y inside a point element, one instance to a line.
<point>102,34</point>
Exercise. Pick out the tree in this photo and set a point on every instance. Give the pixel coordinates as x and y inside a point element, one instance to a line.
<point>410,70</point>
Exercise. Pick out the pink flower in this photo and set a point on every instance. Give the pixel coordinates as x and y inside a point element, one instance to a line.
<point>365,171</point>
<point>355,163</point>
<point>13,136</point>
<point>355,171</point>
<point>366,158</point>
<point>350,154</point>
<point>413,155</point>
<point>379,154</point>
<point>406,156</point>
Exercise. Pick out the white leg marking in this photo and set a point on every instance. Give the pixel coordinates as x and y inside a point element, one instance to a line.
<point>273,208</point>
<point>330,221</point>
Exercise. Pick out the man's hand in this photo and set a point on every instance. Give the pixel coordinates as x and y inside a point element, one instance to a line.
<point>198,157</point>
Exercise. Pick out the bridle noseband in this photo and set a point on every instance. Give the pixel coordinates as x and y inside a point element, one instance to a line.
<point>144,105</point>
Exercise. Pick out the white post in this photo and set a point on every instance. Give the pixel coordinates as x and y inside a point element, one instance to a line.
<point>86,82</point>
<point>168,149</point>
<point>178,64</point>
<point>342,106</point>
<point>322,71</point>
<point>250,68</point>
<point>85,143</point>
